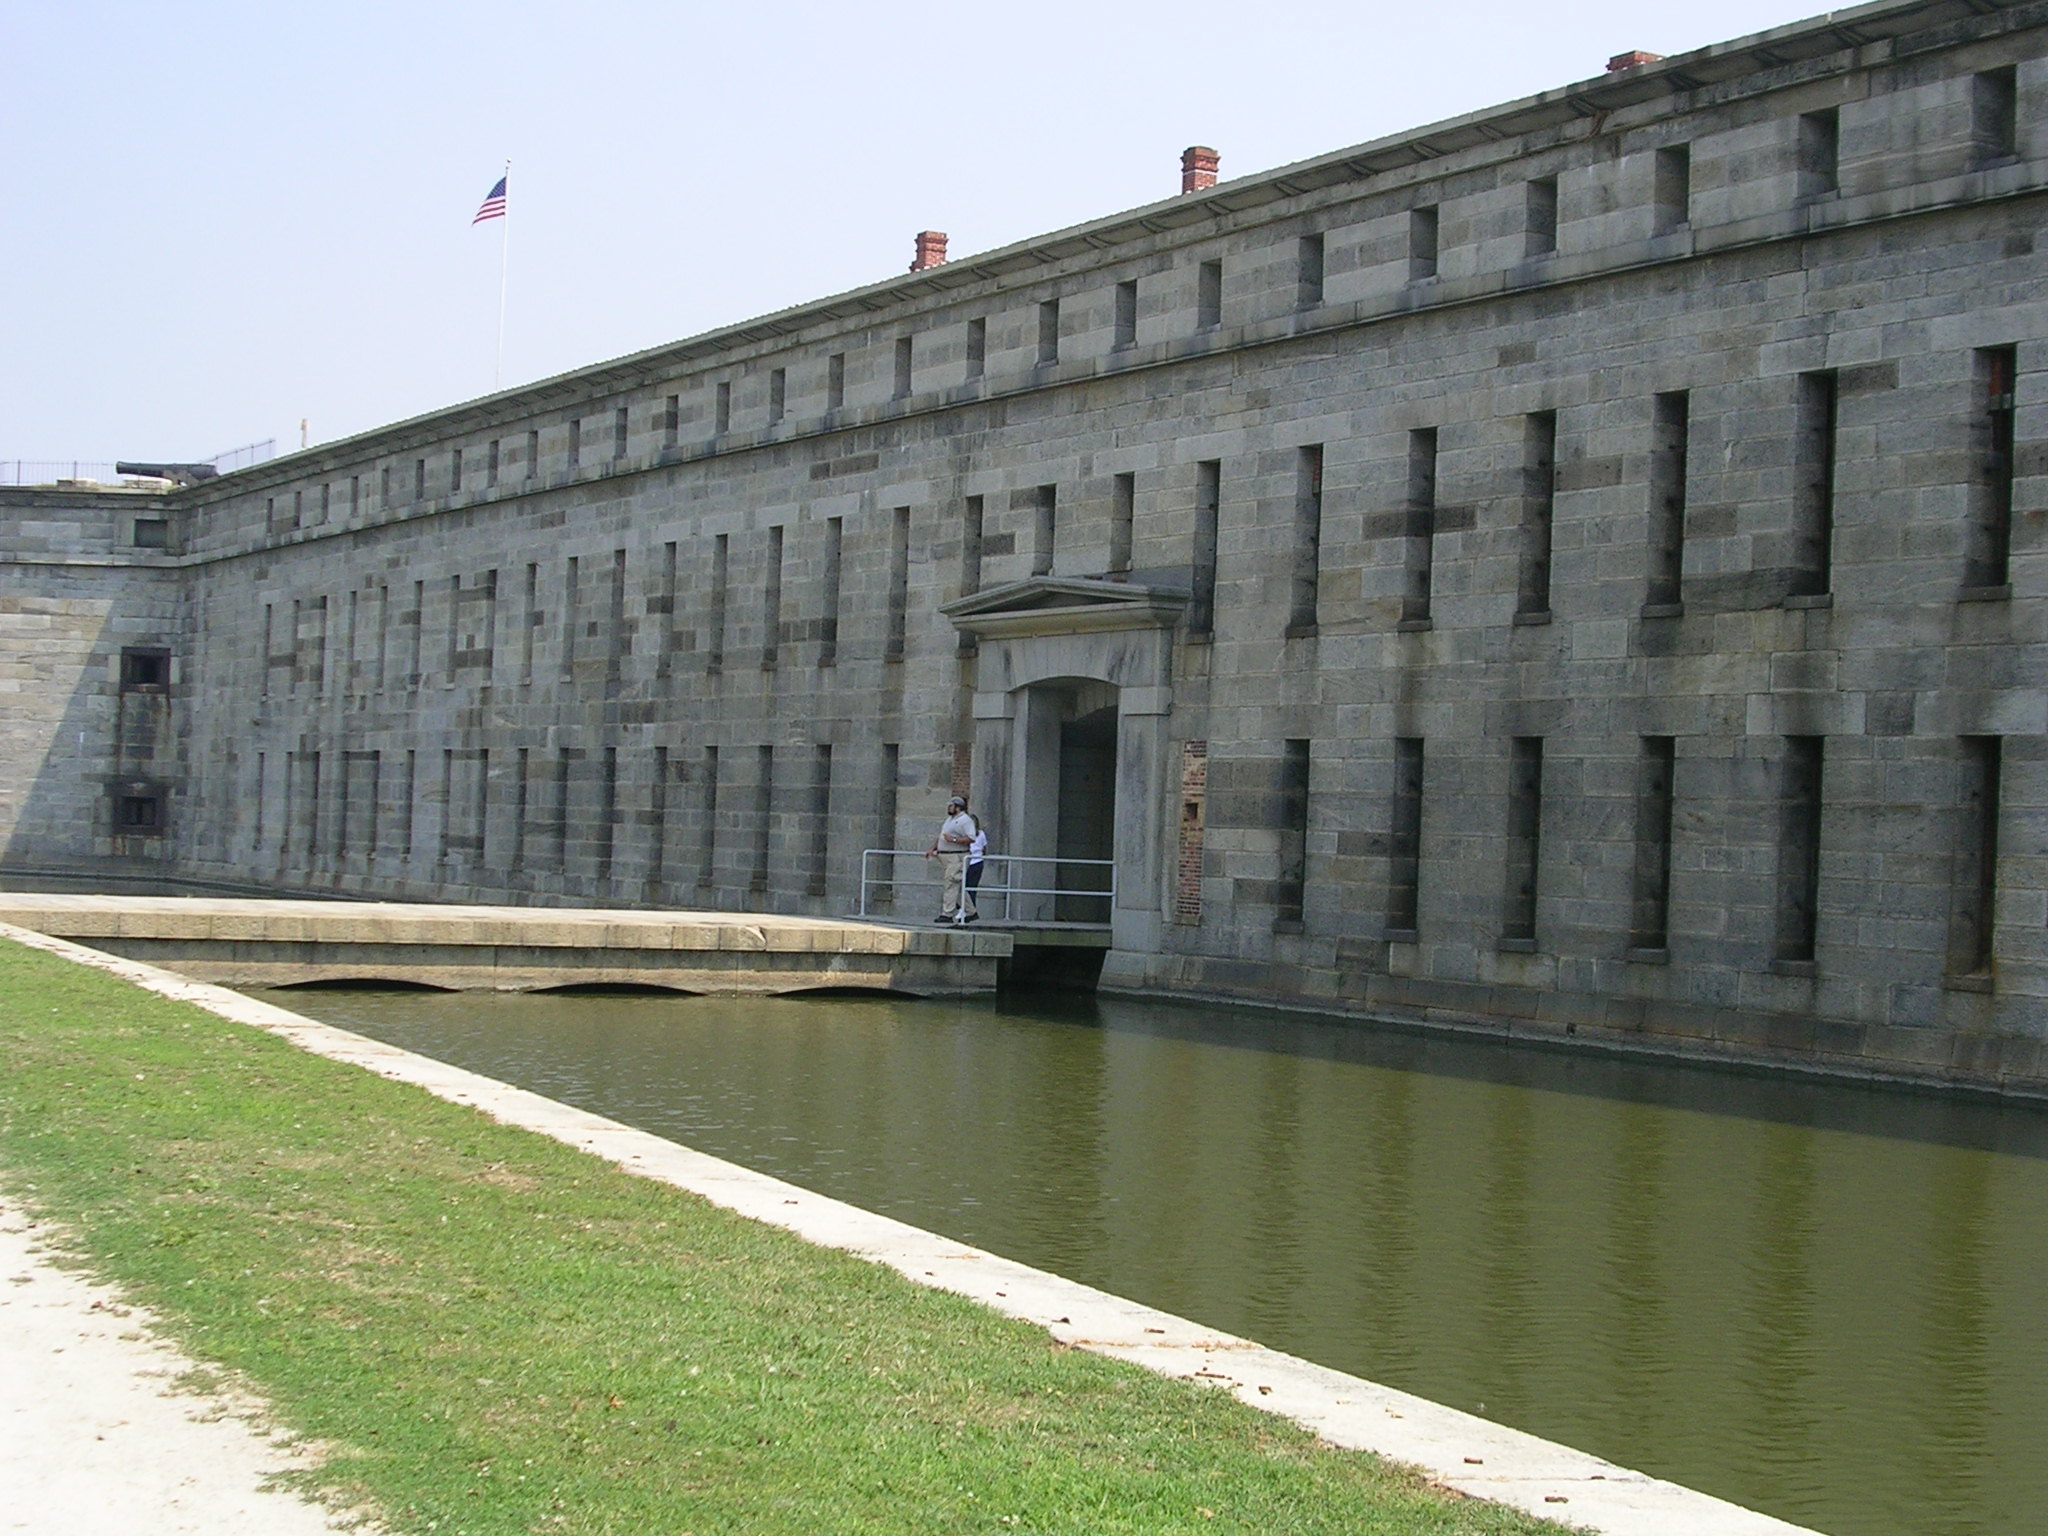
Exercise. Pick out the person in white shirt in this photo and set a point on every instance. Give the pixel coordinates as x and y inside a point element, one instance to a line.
<point>956,836</point>
<point>977,852</point>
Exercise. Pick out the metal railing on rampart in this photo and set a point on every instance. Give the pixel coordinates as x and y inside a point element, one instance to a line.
<point>1020,902</point>
<point>107,472</point>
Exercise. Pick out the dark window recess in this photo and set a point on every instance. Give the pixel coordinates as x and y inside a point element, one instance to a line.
<point>899,584</point>
<point>771,599</point>
<point>145,669</point>
<point>1208,506</point>
<point>454,470</point>
<point>1419,537</point>
<point>1045,527</point>
<point>1974,904</point>
<point>576,443</point>
<point>1123,501</point>
<point>619,431</point>
<point>1525,828</point>
<point>1540,225</point>
<point>671,420</point>
<point>1126,314</point>
<point>714,626</point>
<point>1422,243</point>
<point>835,381</point>
<point>1404,839</point>
<point>532,454</point>
<point>778,394</point>
<point>152,533</point>
<point>1799,813</point>
<point>828,626</point>
<point>1671,189</point>
<point>419,482</point>
<point>1308,539</point>
<point>1669,442</point>
<point>491,464</point>
<point>1291,876</point>
<point>721,408</point>
<point>1813,484</point>
<point>1309,275</point>
<point>977,347</point>
<point>905,361</point>
<point>1539,497</point>
<point>1994,116</point>
<point>1820,153</point>
<point>139,810</point>
<point>1990,532</point>
<point>1209,295</point>
<point>1049,331</point>
<point>1651,922</point>
<point>764,816</point>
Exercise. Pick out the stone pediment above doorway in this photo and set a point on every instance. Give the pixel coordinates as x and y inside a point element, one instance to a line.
<point>1064,605</point>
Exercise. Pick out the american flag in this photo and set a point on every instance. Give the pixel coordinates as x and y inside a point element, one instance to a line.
<point>494,205</point>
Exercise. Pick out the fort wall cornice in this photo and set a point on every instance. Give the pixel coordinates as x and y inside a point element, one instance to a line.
<point>2016,184</point>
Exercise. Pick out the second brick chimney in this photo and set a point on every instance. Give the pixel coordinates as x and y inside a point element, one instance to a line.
<point>1631,59</point>
<point>1198,168</point>
<point>931,251</point>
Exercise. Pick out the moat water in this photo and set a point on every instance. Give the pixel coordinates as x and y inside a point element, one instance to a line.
<point>1823,1301</point>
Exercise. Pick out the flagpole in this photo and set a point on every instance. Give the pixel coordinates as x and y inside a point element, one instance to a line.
<point>504,271</point>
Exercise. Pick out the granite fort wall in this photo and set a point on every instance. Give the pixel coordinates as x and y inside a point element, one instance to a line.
<point>1578,565</point>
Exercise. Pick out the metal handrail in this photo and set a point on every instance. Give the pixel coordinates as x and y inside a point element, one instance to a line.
<point>1007,889</point>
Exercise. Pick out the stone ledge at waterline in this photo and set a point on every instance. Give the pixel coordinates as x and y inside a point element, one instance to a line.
<point>1455,1450</point>
<point>517,949</point>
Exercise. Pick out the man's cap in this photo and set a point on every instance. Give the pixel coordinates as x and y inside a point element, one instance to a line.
<point>956,800</point>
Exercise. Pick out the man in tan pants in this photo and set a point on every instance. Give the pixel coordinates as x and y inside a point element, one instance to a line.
<point>956,835</point>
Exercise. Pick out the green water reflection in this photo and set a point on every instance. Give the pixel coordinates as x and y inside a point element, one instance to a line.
<point>1821,1301</point>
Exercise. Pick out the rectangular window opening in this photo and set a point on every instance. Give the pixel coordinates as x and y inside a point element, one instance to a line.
<point>899,583</point>
<point>905,365</point>
<point>721,408</point>
<point>1307,551</point>
<point>828,624</point>
<point>1539,498</point>
<point>977,348</point>
<point>1404,840</point>
<point>1209,296</point>
<point>1813,483</point>
<point>1126,315</point>
<point>1291,875</point>
<point>1671,189</point>
<point>1989,544</point>
<point>1820,153</point>
<point>835,381</point>
<point>1524,840</point>
<point>1540,218</point>
<point>1045,507</point>
<point>1419,537</point>
<point>1650,924</point>
<point>621,427</point>
<point>1972,946</point>
<point>1123,500</point>
<point>1208,508</point>
<point>1670,432</point>
<point>1799,819</point>
<point>1048,332</point>
<point>1309,272</point>
<point>671,420</point>
<point>1994,117</point>
<point>778,394</point>
<point>714,629</point>
<point>1422,243</point>
<point>576,442</point>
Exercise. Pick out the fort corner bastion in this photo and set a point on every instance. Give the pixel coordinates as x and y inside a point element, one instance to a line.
<point>1578,568</point>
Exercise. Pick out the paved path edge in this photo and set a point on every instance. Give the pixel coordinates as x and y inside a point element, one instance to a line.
<point>1455,1449</point>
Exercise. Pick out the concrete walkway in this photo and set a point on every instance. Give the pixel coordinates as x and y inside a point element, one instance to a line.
<point>95,1441</point>
<point>252,942</point>
<point>1455,1449</point>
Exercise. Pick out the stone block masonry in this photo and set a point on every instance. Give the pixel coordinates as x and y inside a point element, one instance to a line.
<point>1592,550</point>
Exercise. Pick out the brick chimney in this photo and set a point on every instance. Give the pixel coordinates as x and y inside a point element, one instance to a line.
<point>931,250</point>
<point>1198,168</point>
<point>1632,59</point>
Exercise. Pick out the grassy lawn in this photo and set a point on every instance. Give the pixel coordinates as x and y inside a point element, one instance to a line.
<point>493,1333</point>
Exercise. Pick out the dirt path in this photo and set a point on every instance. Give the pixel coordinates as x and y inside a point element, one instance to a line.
<point>94,1441</point>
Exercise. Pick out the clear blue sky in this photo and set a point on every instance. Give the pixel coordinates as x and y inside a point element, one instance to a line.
<point>220,218</point>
